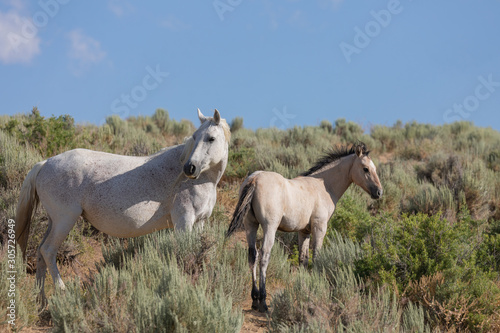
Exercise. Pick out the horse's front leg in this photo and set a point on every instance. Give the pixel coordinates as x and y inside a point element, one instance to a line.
<point>198,226</point>
<point>183,219</point>
<point>304,248</point>
<point>318,234</point>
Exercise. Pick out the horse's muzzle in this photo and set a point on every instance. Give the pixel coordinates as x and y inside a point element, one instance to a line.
<point>191,171</point>
<point>376,193</point>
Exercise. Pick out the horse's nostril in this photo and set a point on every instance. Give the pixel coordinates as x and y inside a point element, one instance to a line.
<point>379,192</point>
<point>189,169</point>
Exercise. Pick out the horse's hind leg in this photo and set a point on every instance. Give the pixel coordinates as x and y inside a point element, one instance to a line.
<point>41,268</point>
<point>61,226</point>
<point>267,245</point>
<point>251,227</point>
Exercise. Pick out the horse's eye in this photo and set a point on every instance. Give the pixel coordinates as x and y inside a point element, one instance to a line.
<point>211,139</point>
<point>366,170</point>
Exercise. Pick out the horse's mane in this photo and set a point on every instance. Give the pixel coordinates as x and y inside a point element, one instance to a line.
<point>335,154</point>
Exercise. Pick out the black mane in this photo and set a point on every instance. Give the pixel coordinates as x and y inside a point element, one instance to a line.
<point>335,154</point>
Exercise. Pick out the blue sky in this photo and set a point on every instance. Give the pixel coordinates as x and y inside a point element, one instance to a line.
<point>274,63</point>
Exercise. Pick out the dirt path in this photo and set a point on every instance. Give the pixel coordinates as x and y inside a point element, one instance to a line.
<point>254,320</point>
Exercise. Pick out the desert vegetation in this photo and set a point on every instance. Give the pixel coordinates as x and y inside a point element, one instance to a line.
<point>424,258</point>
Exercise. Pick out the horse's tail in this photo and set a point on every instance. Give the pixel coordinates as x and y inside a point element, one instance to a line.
<point>244,204</point>
<point>28,202</point>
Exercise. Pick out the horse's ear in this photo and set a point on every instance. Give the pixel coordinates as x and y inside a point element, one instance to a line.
<point>201,117</point>
<point>216,117</point>
<point>359,150</point>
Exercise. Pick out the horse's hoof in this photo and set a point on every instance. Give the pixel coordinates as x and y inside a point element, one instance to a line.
<point>263,307</point>
<point>42,301</point>
<point>255,304</point>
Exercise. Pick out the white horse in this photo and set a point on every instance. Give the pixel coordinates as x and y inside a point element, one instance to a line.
<point>124,196</point>
<point>303,204</point>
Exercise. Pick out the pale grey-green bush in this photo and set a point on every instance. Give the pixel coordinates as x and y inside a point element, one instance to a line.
<point>304,301</point>
<point>15,161</point>
<point>338,252</point>
<point>153,290</point>
<point>26,309</point>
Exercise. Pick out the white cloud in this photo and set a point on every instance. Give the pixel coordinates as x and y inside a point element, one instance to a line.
<point>19,41</point>
<point>84,52</point>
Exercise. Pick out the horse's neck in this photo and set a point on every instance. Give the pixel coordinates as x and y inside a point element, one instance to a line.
<point>215,173</point>
<point>336,177</point>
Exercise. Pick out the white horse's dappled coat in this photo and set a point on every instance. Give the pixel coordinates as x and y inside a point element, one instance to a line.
<point>124,196</point>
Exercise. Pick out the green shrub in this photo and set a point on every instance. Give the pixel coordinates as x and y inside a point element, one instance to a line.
<point>405,250</point>
<point>351,218</point>
<point>488,254</point>
<point>241,163</point>
<point>49,136</point>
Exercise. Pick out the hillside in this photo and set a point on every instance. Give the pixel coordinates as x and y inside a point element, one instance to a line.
<point>425,257</point>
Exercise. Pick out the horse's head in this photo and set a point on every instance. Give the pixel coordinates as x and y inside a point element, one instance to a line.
<point>207,147</point>
<point>364,172</point>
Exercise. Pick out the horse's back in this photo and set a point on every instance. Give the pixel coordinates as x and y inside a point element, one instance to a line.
<point>77,168</point>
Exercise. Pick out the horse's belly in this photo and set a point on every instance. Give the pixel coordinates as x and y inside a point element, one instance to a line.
<point>137,220</point>
<point>289,224</point>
